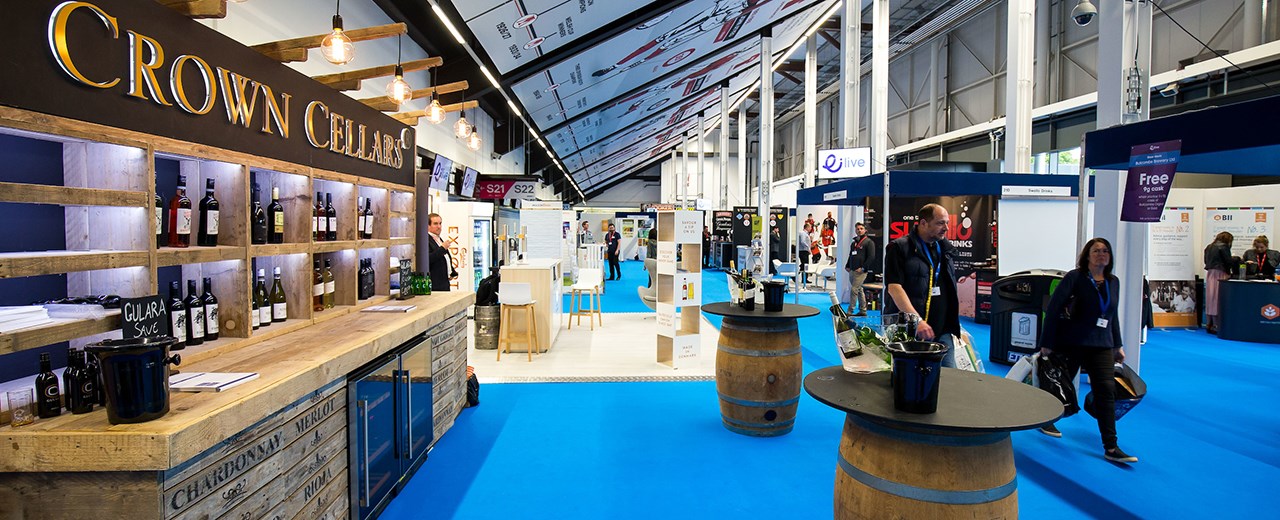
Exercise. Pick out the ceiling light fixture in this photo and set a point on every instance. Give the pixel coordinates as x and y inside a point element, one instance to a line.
<point>462,129</point>
<point>447,24</point>
<point>473,141</point>
<point>337,47</point>
<point>435,113</point>
<point>399,91</point>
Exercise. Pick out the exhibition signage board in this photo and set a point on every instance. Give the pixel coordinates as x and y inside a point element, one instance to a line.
<point>469,177</point>
<point>142,67</point>
<point>1244,223</point>
<point>844,163</point>
<point>440,172</point>
<point>500,190</point>
<point>1035,191</point>
<point>1171,268</point>
<point>722,223</point>
<point>1151,170</point>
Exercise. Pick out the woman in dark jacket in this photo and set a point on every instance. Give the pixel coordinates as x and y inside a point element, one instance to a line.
<point>1217,262</point>
<point>1088,336</point>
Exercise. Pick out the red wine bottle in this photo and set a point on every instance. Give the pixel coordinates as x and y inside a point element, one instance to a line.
<point>180,216</point>
<point>332,215</point>
<point>211,326</point>
<point>320,222</point>
<point>275,217</point>
<point>195,315</point>
<point>259,218</point>
<point>208,233</point>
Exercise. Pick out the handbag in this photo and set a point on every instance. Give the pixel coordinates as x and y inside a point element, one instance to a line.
<point>1052,373</point>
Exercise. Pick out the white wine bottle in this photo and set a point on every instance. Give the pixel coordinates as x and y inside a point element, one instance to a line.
<point>846,332</point>
<point>279,307</point>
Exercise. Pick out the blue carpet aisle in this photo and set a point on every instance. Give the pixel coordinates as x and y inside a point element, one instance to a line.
<point>1206,437</point>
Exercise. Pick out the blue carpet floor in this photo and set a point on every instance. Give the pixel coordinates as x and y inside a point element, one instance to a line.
<point>1206,435</point>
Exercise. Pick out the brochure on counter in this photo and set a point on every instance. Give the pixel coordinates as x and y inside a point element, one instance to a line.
<point>209,381</point>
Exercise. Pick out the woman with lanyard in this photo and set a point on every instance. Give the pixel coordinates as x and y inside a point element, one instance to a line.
<point>1081,325</point>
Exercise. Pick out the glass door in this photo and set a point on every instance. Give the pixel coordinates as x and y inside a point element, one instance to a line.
<point>415,366</point>
<point>480,249</point>
<point>375,452</point>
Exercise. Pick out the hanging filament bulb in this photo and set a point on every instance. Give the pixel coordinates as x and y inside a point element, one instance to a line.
<point>462,128</point>
<point>337,47</point>
<point>473,141</point>
<point>399,91</point>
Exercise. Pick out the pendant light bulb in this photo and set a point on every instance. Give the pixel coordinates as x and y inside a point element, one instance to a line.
<point>462,128</point>
<point>473,141</point>
<point>435,112</point>
<point>337,47</point>
<point>399,91</point>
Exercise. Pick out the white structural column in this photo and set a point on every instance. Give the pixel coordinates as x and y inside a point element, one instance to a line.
<point>684,179</point>
<point>766,145</point>
<point>674,177</point>
<point>1124,53</point>
<point>811,111</point>
<point>850,72</point>
<point>742,155</point>
<point>1019,86</point>
<point>879,128</point>
<point>1041,86</point>
<point>1253,22</point>
<point>723,176</point>
<point>702,144</point>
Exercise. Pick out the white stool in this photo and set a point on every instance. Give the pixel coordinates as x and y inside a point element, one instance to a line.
<point>517,295</point>
<point>589,282</point>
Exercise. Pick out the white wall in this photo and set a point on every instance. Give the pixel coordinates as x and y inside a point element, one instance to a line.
<point>1038,234</point>
<point>257,22</point>
<point>1222,197</point>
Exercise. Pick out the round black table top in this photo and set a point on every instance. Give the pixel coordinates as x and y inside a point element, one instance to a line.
<point>789,311</point>
<point>968,402</point>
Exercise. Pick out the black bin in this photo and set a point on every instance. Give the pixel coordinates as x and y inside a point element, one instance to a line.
<point>1018,302</point>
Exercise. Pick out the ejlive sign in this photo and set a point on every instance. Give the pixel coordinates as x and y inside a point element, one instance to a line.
<point>844,163</point>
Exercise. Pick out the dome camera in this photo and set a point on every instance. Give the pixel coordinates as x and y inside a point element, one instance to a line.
<point>1084,13</point>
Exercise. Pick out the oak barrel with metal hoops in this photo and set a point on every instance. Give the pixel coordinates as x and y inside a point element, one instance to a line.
<point>758,374</point>
<point>887,473</point>
<point>487,321</point>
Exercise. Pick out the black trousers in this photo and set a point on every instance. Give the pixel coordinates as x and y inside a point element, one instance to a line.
<point>615,268</point>
<point>1099,363</point>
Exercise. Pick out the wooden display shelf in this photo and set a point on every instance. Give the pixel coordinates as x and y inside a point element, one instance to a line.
<point>257,250</point>
<point>401,241</point>
<point>70,196</point>
<point>58,331</point>
<point>38,263</point>
<point>224,345</point>
<point>167,256</point>
<point>343,310</point>
<point>402,214</point>
<point>340,245</point>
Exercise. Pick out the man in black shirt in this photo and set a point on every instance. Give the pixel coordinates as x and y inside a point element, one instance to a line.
<point>613,244</point>
<point>920,278</point>
<point>862,257</point>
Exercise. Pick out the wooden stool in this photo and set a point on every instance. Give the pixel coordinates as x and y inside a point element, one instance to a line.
<point>589,283</point>
<point>512,295</point>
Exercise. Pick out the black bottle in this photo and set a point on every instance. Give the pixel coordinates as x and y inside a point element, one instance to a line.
<point>93,371</point>
<point>177,316</point>
<point>207,234</point>
<point>80,388</point>
<point>211,324</point>
<point>195,315</point>
<point>332,215</point>
<point>48,398</point>
<point>259,218</point>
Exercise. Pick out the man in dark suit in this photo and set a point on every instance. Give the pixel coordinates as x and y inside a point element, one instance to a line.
<point>439,265</point>
<point>613,247</point>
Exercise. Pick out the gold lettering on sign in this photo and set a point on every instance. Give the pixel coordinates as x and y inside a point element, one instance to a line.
<point>311,122</point>
<point>58,39</point>
<point>335,133</point>
<point>239,110</point>
<point>350,138</point>
<point>144,72</point>
<point>271,111</point>
<point>179,90</point>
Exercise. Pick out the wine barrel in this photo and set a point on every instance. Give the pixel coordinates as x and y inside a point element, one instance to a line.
<point>885,473</point>
<point>487,321</point>
<point>758,375</point>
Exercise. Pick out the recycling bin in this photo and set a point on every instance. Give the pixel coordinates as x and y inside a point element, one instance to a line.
<point>1018,304</point>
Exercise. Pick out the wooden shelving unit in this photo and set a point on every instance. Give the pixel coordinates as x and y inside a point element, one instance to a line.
<point>679,284</point>
<point>108,175</point>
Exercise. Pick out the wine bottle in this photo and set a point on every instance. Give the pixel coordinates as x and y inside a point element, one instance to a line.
<point>160,229</point>
<point>275,214</point>
<point>332,216</point>
<point>368,218</point>
<point>317,287</point>
<point>359,218</point>
<point>259,217</point>
<point>93,371</point>
<point>180,216</point>
<point>80,388</point>
<point>208,233</point>
<point>748,291</point>
<point>279,308</point>
<point>260,296</point>
<point>211,325</point>
<point>328,284</point>
<point>177,315</point>
<point>48,398</point>
<point>320,221</point>
<point>846,333</point>
<point>195,315</point>
<point>253,303</point>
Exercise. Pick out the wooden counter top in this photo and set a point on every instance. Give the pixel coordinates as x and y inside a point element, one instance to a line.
<point>290,367</point>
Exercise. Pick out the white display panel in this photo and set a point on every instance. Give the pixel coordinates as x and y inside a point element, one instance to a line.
<point>1244,223</point>
<point>1171,245</point>
<point>688,227</point>
<point>1038,234</point>
<point>666,319</point>
<point>543,230</point>
<point>666,258</point>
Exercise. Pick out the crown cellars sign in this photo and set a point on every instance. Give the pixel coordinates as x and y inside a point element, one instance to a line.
<point>141,66</point>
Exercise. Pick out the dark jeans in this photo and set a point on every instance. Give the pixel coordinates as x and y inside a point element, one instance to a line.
<point>1099,363</point>
<point>615,268</point>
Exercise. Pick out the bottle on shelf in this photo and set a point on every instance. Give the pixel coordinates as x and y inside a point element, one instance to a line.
<point>328,284</point>
<point>180,216</point>
<point>275,216</point>
<point>177,315</point>
<point>211,325</point>
<point>207,236</point>
<point>317,287</point>
<point>332,215</point>
<point>80,388</point>
<point>93,371</point>
<point>161,233</point>
<point>319,222</point>
<point>254,314</point>
<point>279,307</point>
<point>259,217</point>
<point>359,218</point>
<point>195,315</point>
<point>48,398</point>
<point>367,216</point>
<point>260,296</point>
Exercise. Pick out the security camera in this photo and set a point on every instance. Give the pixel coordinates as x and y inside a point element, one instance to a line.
<point>1084,13</point>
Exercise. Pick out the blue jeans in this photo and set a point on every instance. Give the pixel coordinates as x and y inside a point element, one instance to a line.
<point>948,361</point>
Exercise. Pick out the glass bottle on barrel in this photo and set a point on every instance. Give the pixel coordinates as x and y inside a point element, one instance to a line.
<point>258,218</point>
<point>275,218</point>
<point>180,216</point>
<point>208,233</point>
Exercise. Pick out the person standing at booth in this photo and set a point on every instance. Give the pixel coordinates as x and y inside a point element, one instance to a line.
<point>706,246</point>
<point>920,278</point>
<point>613,247</point>
<point>1217,263</point>
<point>862,257</point>
<point>584,234</point>
<point>1088,336</point>
<point>804,244</point>
<point>1261,260</point>
<point>439,264</point>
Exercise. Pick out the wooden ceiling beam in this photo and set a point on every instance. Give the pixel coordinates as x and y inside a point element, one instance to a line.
<point>285,51</point>
<point>350,80</point>
<point>197,8</point>
<point>411,117</point>
<point>386,105</point>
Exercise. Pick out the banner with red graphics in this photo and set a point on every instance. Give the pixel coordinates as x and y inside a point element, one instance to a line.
<point>498,190</point>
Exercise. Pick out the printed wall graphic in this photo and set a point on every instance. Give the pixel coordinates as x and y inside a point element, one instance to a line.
<point>1171,265</point>
<point>1151,170</point>
<point>517,32</point>
<point>1244,224</point>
